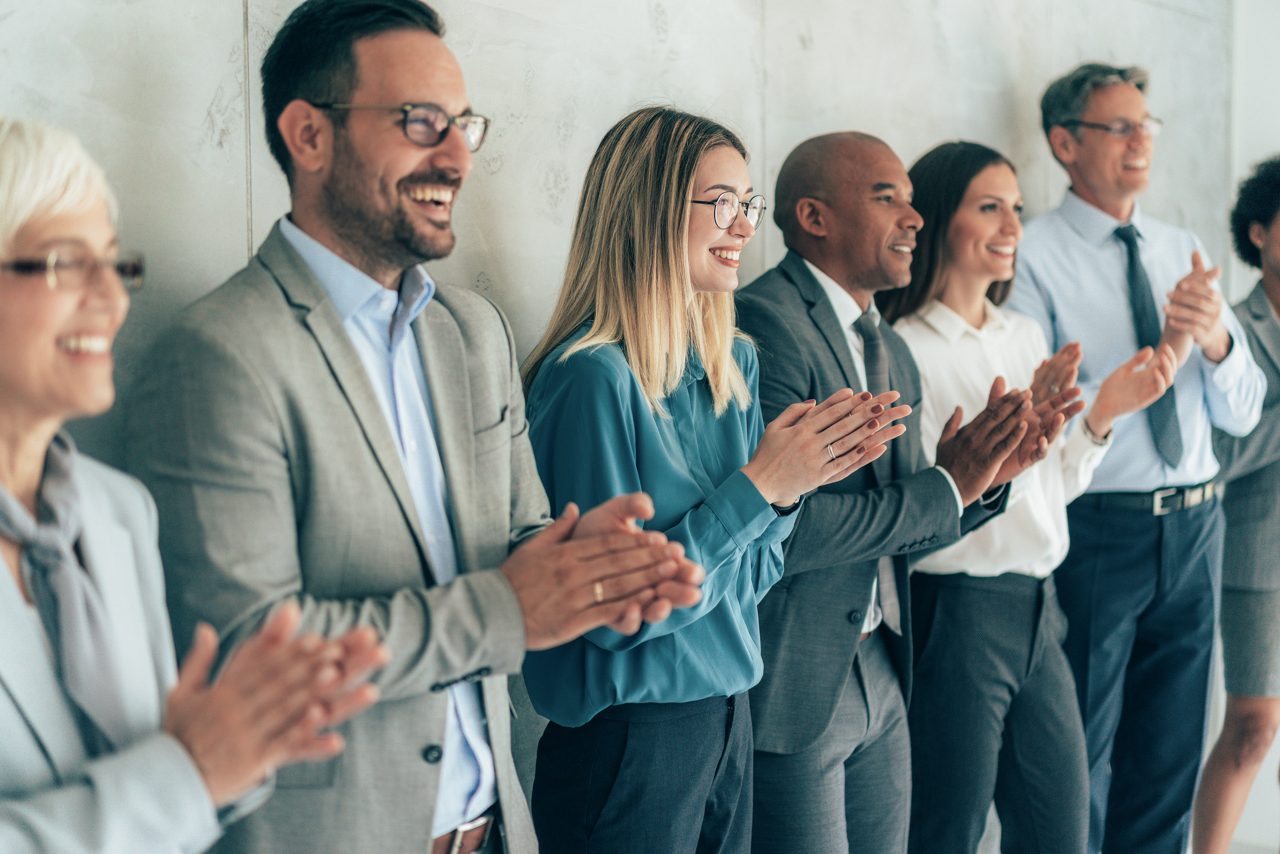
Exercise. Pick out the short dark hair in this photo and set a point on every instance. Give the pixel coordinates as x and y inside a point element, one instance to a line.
<point>940,179</point>
<point>313,56</point>
<point>1067,98</point>
<point>1258,201</point>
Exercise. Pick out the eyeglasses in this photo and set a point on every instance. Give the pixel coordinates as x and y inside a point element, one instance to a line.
<point>426,124</point>
<point>728,206</point>
<point>1151,126</point>
<point>70,271</point>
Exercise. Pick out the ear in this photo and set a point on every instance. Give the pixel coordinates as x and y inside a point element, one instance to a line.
<point>1063,144</point>
<point>1257,234</point>
<point>308,134</point>
<point>811,216</point>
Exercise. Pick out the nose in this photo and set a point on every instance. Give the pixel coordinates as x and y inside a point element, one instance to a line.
<point>1012,224</point>
<point>742,226</point>
<point>452,154</point>
<point>911,219</point>
<point>106,293</point>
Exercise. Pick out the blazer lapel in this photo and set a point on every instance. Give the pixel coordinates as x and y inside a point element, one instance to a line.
<point>30,681</point>
<point>107,552</point>
<point>822,315</point>
<point>444,358</point>
<point>326,327</point>
<point>1264,324</point>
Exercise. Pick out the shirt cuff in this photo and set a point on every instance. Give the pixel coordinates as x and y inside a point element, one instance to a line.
<point>1233,368</point>
<point>946,475</point>
<point>741,509</point>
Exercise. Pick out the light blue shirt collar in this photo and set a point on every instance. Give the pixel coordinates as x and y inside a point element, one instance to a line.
<point>1094,225</point>
<point>349,288</point>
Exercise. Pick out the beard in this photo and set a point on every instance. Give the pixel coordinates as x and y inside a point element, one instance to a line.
<point>380,238</point>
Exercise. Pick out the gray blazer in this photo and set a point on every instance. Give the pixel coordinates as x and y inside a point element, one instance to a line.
<point>276,475</point>
<point>147,796</point>
<point>811,620</point>
<point>1251,463</point>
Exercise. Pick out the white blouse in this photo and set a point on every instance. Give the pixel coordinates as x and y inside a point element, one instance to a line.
<point>957,366</point>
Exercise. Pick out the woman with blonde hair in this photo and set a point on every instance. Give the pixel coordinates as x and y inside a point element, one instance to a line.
<point>642,382</point>
<point>106,747</point>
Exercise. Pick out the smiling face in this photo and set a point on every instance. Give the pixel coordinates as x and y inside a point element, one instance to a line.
<point>985,229</point>
<point>872,226</point>
<point>714,252</point>
<point>388,201</point>
<point>55,343</point>
<point>1107,171</point>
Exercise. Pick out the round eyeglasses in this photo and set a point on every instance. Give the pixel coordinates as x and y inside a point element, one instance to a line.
<point>76,271</point>
<point>427,124</point>
<point>1151,126</point>
<point>728,205</point>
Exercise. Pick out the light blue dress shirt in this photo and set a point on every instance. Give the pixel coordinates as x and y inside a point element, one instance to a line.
<point>1072,279</point>
<point>594,437</point>
<point>378,321</point>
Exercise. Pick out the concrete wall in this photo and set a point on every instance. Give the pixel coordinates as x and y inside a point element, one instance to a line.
<point>165,93</point>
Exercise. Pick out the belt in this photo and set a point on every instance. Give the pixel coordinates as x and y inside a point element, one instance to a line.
<point>1160,502</point>
<point>466,838</point>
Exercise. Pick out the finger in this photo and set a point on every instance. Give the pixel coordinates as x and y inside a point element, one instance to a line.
<point>952,426</point>
<point>997,391</point>
<point>679,595</point>
<point>194,673</point>
<point>349,704</point>
<point>1197,263</point>
<point>850,463</point>
<point>655,612</point>
<point>558,531</point>
<point>620,588</point>
<point>789,416</point>
<point>312,748</point>
<point>844,394</point>
<point>630,507</point>
<point>689,572</point>
<point>660,559</point>
<point>589,548</point>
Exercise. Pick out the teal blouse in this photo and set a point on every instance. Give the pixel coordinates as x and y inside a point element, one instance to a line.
<point>594,437</point>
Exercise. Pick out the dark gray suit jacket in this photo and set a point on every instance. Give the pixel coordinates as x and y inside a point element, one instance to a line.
<point>277,476</point>
<point>1252,465</point>
<point>811,620</point>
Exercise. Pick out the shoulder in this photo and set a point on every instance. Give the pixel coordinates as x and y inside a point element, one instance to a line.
<point>591,371</point>
<point>470,309</point>
<point>771,291</point>
<point>109,491</point>
<point>1164,235</point>
<point>913,330</point>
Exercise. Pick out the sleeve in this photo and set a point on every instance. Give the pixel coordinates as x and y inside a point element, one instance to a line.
<point>1233,388</point>
<point>205,437</point>
<point>863,525</point>
<point>1243,455</point>
<point>585,413</point>
<point>121,803</point>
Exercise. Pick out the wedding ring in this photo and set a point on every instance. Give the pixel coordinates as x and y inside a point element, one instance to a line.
<point>831,453</point>
<point>598,590</point>
<point>1053,389</point>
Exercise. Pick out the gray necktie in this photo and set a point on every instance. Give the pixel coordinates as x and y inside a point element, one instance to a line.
<point>1163,414</point>
<point>68,601</point>
<point>874,357</point>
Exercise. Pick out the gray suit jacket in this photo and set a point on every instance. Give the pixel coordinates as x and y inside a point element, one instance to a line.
<point>148,795</point>
<point>1252,465</point>
<point>811,620</point>
<point>276,475</point>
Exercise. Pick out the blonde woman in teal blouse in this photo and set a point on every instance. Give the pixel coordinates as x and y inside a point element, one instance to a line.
<point>642,382</point>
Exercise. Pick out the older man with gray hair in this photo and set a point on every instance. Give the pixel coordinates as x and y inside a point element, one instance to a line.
<point>1140,584</point>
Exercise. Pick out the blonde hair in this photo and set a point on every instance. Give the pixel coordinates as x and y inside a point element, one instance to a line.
<point>628,269</point>
<point>44,172</point>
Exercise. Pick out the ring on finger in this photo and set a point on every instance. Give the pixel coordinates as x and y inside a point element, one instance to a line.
<point>830,452</point>
<point>1053,388</point>
<point>597,591</point>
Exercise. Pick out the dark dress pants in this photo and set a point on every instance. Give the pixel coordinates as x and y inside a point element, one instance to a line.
<point>993,716</point>
<point>1141,597</point>
<point>647,777</point>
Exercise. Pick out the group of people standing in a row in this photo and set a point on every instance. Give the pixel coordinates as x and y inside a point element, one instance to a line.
<point>926,517</point>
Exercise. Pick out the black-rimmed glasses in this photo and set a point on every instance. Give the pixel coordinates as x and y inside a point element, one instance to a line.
<point>728,205</point>
<point>75,271</point>
<point>1151,126</point>
<point>427,124</point>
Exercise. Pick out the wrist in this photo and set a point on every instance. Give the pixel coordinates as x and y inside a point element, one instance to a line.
<point>760,483</point>
<point>1219,347</point>
<point>1097,427</point>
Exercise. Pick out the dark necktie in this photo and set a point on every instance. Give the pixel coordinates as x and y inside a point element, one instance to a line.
<point>67,599</point>
<point>874,358</point>
<point>1163,414</point>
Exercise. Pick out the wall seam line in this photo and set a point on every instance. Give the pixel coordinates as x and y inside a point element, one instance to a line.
<point>248,136</point>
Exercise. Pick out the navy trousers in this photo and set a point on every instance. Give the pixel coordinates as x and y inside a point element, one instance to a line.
<point>1141,597</point>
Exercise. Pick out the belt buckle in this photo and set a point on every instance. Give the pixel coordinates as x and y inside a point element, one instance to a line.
<point>1157,500</point>
<point>485,821</point>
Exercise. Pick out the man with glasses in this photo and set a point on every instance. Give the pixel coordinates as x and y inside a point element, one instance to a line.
<point>1140,583</point>
<point>332,427</point>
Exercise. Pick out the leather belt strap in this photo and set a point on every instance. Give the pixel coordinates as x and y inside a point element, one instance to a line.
<point>466,838</point>
<point>1160,502</point>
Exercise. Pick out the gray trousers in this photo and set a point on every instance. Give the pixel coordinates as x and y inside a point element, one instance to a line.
<point>850,791</point>
<point>993,715</point>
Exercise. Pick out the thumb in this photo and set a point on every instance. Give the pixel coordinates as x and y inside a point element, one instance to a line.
<point>1197,262</point>
<point>791,414</point>
<point>952,426</point>
<point>997,391</point>
<point>1140,359</point>
<point>559,530</point>
<point>194,674</point>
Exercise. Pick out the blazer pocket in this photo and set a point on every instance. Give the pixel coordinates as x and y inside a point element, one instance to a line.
<point>496,435</point>
<point>309,775</point>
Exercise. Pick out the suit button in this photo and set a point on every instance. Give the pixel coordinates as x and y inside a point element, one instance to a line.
<point>432,753</point>
<point>855,617</point>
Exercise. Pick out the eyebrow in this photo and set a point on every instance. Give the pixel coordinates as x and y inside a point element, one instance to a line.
<point>79,243</point>
<point>883,185</point>
<point>730,189</point>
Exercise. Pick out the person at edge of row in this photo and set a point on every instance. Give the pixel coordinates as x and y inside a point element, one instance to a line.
<point>642,382</point>
<point>1140,582</point>
<point>832,758</point>
<point>993,712</point>
<point>331,427</point>
<point>107,747</point>
<point>1250,584</point>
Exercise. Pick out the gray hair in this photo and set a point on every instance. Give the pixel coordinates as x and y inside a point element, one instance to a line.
<point>44,172</point>
<point>1067,97</point>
